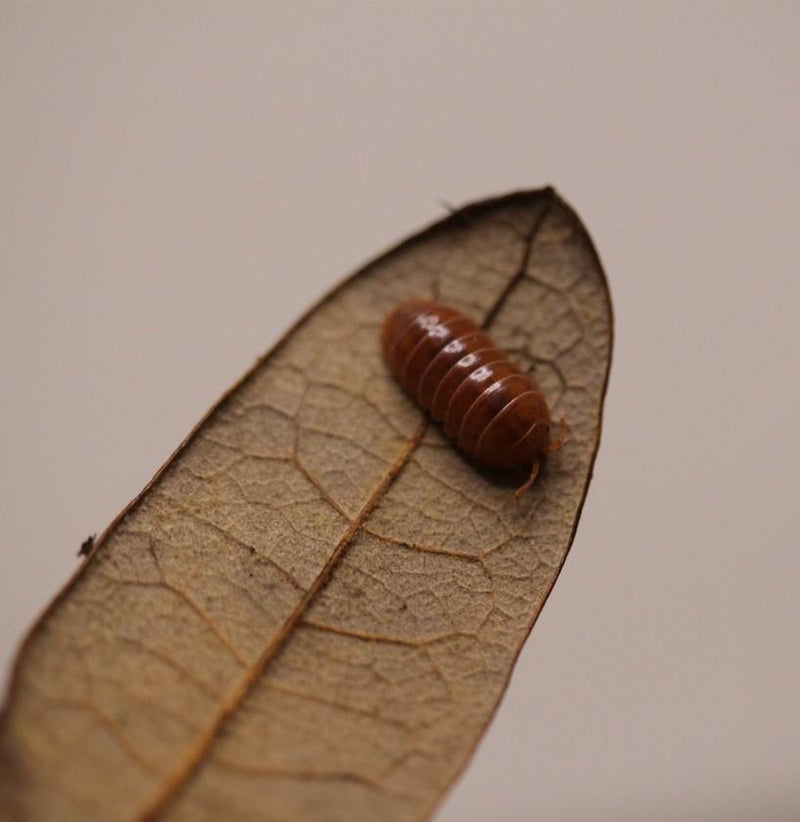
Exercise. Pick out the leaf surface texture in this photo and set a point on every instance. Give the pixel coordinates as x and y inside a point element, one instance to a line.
<point>313,610</point>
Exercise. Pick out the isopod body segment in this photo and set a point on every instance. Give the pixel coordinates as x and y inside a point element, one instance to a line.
<point>492,409</point>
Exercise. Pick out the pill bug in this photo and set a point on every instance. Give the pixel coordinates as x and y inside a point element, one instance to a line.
<point>492,409</point>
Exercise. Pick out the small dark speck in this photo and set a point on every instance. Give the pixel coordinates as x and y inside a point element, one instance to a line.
<point>87,545</point>
<point>455,212</point>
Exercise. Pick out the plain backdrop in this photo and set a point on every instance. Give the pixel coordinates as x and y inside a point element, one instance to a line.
<point>178,181</point>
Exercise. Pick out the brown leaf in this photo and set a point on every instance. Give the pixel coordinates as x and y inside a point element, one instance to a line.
<point>313,609</point>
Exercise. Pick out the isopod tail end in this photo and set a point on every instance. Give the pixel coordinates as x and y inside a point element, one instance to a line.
<point>519,493</point>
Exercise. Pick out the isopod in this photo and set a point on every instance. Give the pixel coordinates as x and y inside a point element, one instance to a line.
<point>492,409</point>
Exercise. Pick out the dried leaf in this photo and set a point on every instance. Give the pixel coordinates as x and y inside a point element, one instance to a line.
<point>313,609</point>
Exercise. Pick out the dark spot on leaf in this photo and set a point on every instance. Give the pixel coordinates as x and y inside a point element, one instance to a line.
<point>87,545</point>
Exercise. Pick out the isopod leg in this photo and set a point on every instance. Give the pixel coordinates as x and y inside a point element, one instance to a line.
<point>531,479</point>
<point>562,436</point>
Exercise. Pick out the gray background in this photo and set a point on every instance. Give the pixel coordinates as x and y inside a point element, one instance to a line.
<point>179,181</point>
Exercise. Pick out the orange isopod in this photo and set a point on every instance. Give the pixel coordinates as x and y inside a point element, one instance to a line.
<point>492,409</point>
